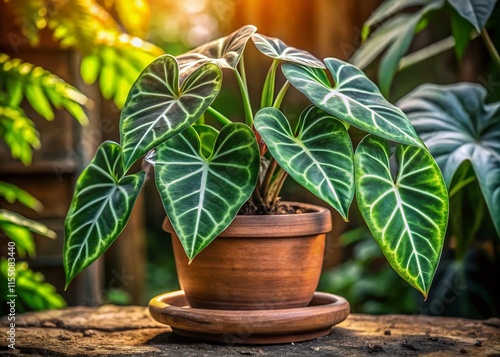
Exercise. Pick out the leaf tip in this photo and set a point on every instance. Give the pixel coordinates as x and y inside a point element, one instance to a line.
<point>68,281</point>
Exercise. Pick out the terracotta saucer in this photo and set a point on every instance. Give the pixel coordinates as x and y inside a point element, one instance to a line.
<point>250,326</point>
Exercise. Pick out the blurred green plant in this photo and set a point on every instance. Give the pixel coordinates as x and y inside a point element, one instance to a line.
<point>110,56</point>
<point>33,293</point>
<point>462,132</point>
<point>42,90</point>
<point>391,29</point>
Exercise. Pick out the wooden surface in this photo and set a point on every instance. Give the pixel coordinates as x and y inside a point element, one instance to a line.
<point>120,331</point>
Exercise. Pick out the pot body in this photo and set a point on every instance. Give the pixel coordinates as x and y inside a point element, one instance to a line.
<point>259,262</point>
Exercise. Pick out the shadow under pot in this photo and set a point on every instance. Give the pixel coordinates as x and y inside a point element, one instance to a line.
<point>260,262</point>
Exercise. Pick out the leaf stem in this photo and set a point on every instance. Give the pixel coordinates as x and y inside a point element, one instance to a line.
<point>241,66</point>
<point>461,185</point>
<point>219,116</point>
<point>201,119</point>
<point>266,182</point>
<point>491,47</point>
<point>246,99</point>
<point>281,95</point>
<point>278,184</point>
<point>268,89</point>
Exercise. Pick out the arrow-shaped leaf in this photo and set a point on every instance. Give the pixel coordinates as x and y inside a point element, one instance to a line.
<point>407,215</point>
<point>277,49</point>
<point>100,208</point>
<point>203,195</point>
<point>353,99</point>
<point>320,157</point>
<point>225,51</point>
<point>158,107</point>
<point>457,125</point>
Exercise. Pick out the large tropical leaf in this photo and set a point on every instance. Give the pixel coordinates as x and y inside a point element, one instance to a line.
<point>353,98</point>
<point>457,125</point>
<point>477,12</point>
<point>225,51</point>
<point>100,208</point>
<point>408,214</point>
<point>158,106</point>
<point>203,195</point>
<point>277,49</point>
<point>320,157</point>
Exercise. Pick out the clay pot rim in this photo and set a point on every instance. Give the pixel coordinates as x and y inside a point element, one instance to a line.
<point>314,220</point>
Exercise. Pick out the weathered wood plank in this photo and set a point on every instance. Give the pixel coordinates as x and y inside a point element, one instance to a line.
<point>120,331</point>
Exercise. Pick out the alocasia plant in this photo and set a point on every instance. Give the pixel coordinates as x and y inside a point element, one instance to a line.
<point>205,176</point>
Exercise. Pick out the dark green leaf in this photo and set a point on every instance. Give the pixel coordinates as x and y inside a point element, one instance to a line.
<point>320,157</point>
<point>353,98</point>
<point>203,195</point>
<point>408,214</point>
<point>100,208</point>
<point>158,107</point>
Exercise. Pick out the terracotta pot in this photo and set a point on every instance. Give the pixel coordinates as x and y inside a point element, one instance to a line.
<point>258,263</point>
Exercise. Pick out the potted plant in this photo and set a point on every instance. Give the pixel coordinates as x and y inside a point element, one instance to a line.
<point>226,183</point>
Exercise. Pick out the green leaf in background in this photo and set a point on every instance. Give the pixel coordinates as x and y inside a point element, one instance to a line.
<point>395,35</point>
<point>461,30</point>
<point>408,214</point>
<point>158,107</point>
<point>41,88</point>
<point>353,98</point>
<point>386,9</point>
<point>19,133</point>
<point>21,236</point>
<point>35,227</point>
<point>387,33</point>
<point>320,157</point>
<point>225,51</point>
<point>100,208</point>
<point>457,125</point>
<point>477,12</point>
<point>33,293</point>
<point>203,195</point>
<point>277,49</point>
<point>12,194</point>
<point>117,63</point>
